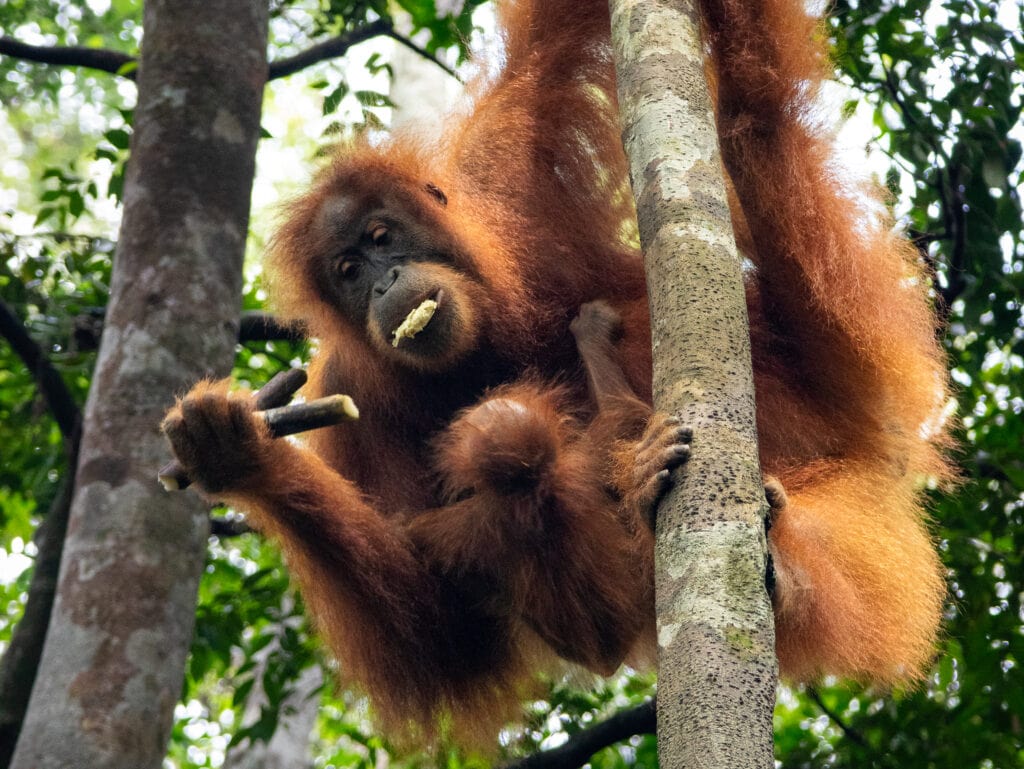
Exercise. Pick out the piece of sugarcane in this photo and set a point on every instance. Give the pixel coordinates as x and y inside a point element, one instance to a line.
<point>282,419</point>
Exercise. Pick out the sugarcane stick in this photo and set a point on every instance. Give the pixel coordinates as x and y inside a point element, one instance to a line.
<point>280,389</point>
<point>281,419</point>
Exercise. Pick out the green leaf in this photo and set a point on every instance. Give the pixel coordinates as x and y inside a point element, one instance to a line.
<point>76,203</point>
<point>333,99</point>
<point>46,212</point>
<point>128,67</point>
<point>119,137</point>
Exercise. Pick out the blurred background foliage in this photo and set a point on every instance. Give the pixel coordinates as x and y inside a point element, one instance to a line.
<point>936,88</point>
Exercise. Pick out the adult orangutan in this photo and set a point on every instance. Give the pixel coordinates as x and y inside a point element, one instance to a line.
<point>479,297</point>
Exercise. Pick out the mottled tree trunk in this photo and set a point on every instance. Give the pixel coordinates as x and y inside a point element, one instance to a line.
<point>716,666</point>
<point>113,663</point>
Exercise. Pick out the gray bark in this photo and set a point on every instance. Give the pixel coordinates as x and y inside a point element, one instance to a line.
<point>717,667</point>
<point>113,662</point>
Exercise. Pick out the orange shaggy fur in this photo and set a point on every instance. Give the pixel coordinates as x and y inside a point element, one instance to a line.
<point>489,515</point>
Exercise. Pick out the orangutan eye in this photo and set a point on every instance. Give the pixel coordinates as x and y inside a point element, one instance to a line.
<point>379,235</point>
<point>348,269</point>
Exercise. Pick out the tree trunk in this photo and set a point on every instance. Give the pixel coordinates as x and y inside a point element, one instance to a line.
<point>716,667</point>
<point>113,662</point>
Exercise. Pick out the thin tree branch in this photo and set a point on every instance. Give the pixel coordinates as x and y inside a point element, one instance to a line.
<point>101,59</point>
<point>582,745</point>
<point>851,734</point>
<point>114,62</point>
<point>329,49</point>
<point>21,660</point>
<point>258,326</point>
<point>957,219</point>
<point>48,380</point>
<point>255,326</point>
<point>228,527</point>
<point>422,52</point>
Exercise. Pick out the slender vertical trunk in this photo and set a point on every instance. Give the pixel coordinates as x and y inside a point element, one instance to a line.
<point>717,667</point>
<point>113,662</point>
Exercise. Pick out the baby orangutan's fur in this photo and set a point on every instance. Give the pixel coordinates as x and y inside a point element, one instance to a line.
<point>490,511</point>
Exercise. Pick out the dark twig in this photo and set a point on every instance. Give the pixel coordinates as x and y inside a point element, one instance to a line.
<point>851,734</point>
<point>228,527</point>
<point>399,38</point>
<point>48,380</point>
<point>70,56</point>
<point>329,49</point>
<point>115,62</point>
<point>957,218</point>
<point>582,745</point>
<point>258,326</point>
<point>280,389</point>
<point>21,660</point>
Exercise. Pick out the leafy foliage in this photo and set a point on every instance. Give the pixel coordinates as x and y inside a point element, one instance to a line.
<point>944,80</point>
<point>57,284</point>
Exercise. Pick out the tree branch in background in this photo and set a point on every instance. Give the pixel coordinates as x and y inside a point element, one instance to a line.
<point>115,62</point>
<point>955,211</point>
<point>20,663</point>
<point>48,380</point>
<point>225,528</point>
<point>851,734</point>
<point>69,56</point>
<point>255,326</point>
<point>21,660</point>
<point>582,745</point>
<point>422,52</point>
<point>259,326</point>
<point>329,49</point>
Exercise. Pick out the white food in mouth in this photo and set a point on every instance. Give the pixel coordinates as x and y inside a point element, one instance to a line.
<point>415,321</point>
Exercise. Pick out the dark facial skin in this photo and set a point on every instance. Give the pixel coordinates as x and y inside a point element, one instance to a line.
<point>381,262</point>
